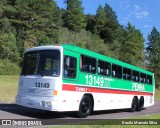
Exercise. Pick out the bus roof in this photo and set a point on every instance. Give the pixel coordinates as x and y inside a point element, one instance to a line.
<point>102,57</point>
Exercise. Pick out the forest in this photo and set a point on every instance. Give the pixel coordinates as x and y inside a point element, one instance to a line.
<point>29,23</point>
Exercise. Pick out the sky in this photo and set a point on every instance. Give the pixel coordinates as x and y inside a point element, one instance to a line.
<point>143,14</point>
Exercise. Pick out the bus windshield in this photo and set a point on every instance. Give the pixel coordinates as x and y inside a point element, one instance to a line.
<point>43,62</point>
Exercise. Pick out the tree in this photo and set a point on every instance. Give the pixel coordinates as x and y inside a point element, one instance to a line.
<point>153,54</point>
<point>132,48</point>
<point>84,39</point>
<point>112,26</point>
<point>91,22</point>
<point>101,22</point>
<point>74,17</point>
<point>8,43</point>
<point>32,22</point>
<point>107,25</point>
<point>8,48</point>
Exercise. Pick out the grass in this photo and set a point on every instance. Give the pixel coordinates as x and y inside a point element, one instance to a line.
<point>106,123</point>
<point>154,116</point>
<point>8,88</point>
<point>157,94</point>
<point>107,126</point>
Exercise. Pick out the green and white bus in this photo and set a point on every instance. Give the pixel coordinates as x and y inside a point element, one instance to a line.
<point>70,78</point>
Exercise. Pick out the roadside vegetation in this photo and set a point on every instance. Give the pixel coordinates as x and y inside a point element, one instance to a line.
<point>107,126</point>
<point>157,94</point>
<point>107,123</point>
<point>8,88</point>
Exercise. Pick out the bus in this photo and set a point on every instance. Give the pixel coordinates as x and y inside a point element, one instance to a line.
<point>69,78</point>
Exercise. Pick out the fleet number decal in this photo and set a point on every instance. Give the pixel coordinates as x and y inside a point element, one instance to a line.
<point>105,82</point>
<point>41,85</point>
<point>98,81</point>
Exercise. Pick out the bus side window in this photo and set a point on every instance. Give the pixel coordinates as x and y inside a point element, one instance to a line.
<point>142,78</point>
<point>135,76</point>
<point>70,67</point>
<point>87,64</point>
<point>107,69</point>
<point>103,68</point>
<point>126,74</point>
<point>113,73</point>
<point>116,71</point>
<point>149,79</point>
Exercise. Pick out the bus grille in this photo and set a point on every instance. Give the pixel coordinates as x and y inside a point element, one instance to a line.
<point>35,91</point>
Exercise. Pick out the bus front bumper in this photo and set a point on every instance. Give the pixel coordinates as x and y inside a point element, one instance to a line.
<point>38,103</point>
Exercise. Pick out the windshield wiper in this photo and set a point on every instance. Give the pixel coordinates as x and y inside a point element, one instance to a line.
<point>41,72</point>
<point>55,75</point>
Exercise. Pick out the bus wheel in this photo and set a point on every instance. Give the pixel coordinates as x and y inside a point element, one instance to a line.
<point>140,104</point>
<point>85,107</point>
<point>134,104</point>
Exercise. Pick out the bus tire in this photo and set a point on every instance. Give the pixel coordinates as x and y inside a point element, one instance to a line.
<point>85,107</point>
<point>140,104</point>
<point>134,104</point>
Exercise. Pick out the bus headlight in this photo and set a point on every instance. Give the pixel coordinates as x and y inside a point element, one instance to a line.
<point>48,104</point>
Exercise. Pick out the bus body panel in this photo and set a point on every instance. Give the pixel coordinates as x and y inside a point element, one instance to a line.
<point>106,96</point>
<point>104,101</point>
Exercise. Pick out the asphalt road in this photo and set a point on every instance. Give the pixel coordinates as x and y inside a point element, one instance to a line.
<point>13,111</point>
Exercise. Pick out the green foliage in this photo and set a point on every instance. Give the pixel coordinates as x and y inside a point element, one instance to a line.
<point>106,24</point>
<point>84,39</point>
<point>153,54</point>
<point>81,39</point>
<point>8,88</point>
<point>101,21</point>
<point>8,47</point>
<point>25,24</point>
<point>132,50</point>
<point>30,21</point>
<point>112,24</point>
<point>8,68</point>
<point>91,22</point>
<point>74,17</point>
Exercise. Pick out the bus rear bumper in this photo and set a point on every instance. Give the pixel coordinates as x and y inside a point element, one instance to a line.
<point>51,105</point>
